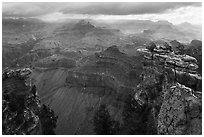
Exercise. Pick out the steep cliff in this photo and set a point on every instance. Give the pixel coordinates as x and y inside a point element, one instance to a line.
<point>172,86</point>
<point>181,111</point>
<point>22,112</point>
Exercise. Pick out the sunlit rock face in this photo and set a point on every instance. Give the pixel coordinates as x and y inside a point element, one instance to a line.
<point>178,67</point>
<point>22,112</point>
<point>181,112</point>
<point>172,86</point>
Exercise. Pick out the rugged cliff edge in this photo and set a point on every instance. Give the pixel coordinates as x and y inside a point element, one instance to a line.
<point>181,112</point>
<point>172,86</point>
<point>22,112</point>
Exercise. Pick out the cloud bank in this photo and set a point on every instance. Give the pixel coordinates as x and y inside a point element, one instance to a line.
<point>51,11</point>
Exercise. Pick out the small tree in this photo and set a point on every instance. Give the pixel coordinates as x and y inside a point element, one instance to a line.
<point>151,125</point>
<point>48,120</point>
<point>136,118</point>
<point>103,124</point>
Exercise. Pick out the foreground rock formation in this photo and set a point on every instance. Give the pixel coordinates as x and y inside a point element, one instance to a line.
<point>22,111</point>
<point>181,112</point>
<point>173,88</point>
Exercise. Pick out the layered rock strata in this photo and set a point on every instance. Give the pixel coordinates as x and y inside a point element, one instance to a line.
<point>172,86</point>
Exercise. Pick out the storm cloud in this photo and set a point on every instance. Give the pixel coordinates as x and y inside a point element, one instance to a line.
<point>110,8</point>
<point>174,12</point>
<point>125,8</point>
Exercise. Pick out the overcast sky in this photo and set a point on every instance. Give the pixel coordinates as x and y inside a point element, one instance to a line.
<point>175,13</point>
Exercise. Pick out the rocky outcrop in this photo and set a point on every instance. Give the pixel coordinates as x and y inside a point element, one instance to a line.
<point>22,112</point>
<point>83,27</point>
<point>177,47</point>
<point>179,67</point>
<point>195,49</point>
<point>172,86</point>
<point>181,112</point>
<point>196,43</point>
